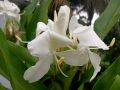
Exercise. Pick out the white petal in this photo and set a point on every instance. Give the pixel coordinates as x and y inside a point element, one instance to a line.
<point>73,25</point>
<point>75,57</point>
<point>50,24</point>
<point>40,28</point>
<point>11,7</point>
<point>5,82</point>
<point>62,21</point>
<point>58,40</point>
<point>95,60</point>
<point>87,37</point>
<point>3,19</point>
<point>37,71</point>
<point>40,45</point>
<point>55,16</point>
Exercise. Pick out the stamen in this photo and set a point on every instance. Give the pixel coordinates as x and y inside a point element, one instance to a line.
<point>61,61</point>
<point>70,47</point>
<point>22,13</point>
<point>62,71</point>
<point>112,43</point>
<point>56,59</point>
<point>18,38</point>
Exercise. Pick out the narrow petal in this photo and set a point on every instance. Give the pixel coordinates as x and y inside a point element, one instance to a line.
<point>58,40</point>
<point>50,24</point>
<point>37,71</point>
<point>3,19</point>
<point>62,21</point>
<point>75,57</point>
<point>41,27</point>
<point>73,25</point>
<point>95,60</point>
<point>40,45</point>
<point>88,37</point>
<point>55,16</point>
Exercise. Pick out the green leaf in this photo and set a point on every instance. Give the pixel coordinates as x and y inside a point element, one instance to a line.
<point>2,87</point>
<point>108,18</point>
<point>23,54</point>
<point>16,68</point>
<point>67,81</point>
<point>106,79</point>
<point>3,68</point>
<point>40,14</point>
<point>27,13</point>
<point>116,83</point>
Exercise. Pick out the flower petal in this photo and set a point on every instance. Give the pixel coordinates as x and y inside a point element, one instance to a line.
<point>58,40</point>
<point>40,28</point>
<point>50,24</point>
<point>11,7</point>
<point>73,24</point>
<point>87,37</point>
<point>75,57</point>
<point>95,60</point>
<point>37,71</point>
<point>40,45</point>
<point>3,19</point>
<point>62,21</point>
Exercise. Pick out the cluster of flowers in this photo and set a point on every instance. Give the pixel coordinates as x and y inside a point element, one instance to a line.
<point>51,37</point>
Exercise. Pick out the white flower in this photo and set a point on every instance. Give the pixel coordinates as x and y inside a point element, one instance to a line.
<point>48,38</point>
<point>8,9</point>
<point>86,39</point>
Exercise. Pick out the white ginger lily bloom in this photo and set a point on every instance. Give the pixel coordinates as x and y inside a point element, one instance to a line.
<point>48,38</point>
<point>87,39</point>
<point>8,9</point>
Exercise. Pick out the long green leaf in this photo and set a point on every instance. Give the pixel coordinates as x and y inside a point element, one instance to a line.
<point>3,68</point>
<point>107,78</point>
<point>16,68</point>
<point>116,83</point>
<point>2,87</point>
<point>108,18</point>
<point>40,14</point>
<point>22,53</point>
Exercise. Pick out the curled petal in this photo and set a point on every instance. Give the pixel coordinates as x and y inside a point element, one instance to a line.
<point>50,24</point>
<point>10,7</point>
<point>62,21</point>
<point>75,57</point>
<point>41,27</point>
<point>95,60</point>
<point>40,45</point>
<point>37,71</point>
<point>88,37</point>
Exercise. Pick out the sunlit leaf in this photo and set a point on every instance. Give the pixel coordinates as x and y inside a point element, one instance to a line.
<point>108,19</point>
<point>116,83</point>
<point>106,79</point>
<point>40,14</point>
